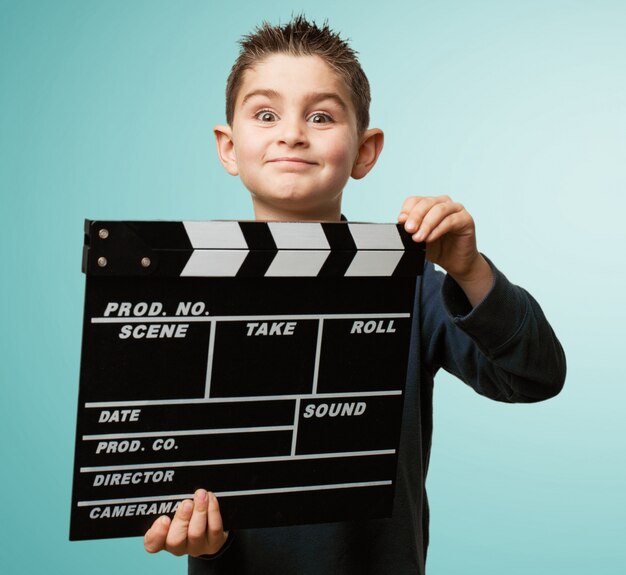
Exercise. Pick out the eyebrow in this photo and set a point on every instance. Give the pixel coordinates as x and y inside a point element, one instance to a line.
<point>266,93</point>
<point>320,97</point>
<point>312,98</point>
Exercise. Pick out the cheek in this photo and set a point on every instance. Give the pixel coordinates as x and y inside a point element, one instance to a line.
<point>246,153</point>
<point>340,155</point>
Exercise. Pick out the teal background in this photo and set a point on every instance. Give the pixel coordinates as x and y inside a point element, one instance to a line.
<point>517,109</point>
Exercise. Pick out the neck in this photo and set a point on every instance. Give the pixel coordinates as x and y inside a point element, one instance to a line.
<point>274,214</point>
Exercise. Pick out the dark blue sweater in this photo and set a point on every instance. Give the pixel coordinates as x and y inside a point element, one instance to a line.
<point>504,348</point>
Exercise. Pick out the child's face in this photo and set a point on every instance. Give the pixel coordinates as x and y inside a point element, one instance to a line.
<point>294,139</point>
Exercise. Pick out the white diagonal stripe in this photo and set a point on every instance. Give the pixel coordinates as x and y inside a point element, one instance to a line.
<point>215,235</point>
<point>214,263</point>
<point>299,235</point>
<point>376,236</point>
<point>374,263</point>
<point>289,263</point>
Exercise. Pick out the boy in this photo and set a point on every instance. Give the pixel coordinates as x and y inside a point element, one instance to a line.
<point>297,113</point>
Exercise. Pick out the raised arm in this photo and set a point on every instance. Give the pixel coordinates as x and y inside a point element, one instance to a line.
<point>475,323</point>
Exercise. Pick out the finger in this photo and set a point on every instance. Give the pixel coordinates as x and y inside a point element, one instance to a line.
<point>457,222</point>
<point>215,517</point>
<point>197,532</point>
<point>418,212</point>
<point>413,211</point>
<point>154,539</point>
<point>437,214</point>
<point>407,206</point>
<point>176,541</point>
<point>217,536</point>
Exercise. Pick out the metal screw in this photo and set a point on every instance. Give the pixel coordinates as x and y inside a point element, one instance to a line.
<point>102,262</point>
<point>145,262</point>
<point>103,233</point>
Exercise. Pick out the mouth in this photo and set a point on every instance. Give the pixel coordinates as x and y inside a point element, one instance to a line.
<point>291,160</point>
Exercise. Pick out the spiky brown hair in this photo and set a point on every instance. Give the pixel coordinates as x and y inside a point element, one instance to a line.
<point>299,37</point>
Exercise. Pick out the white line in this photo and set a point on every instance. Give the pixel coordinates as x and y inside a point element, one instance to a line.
<point>192,401</point>
<point>155,319</point>
<point>296,421</point>
<point>187,432</point>
<point>191,319</point>
<point>318,349</point>
<point>179,497</point>
<point>237,461</point>
<point>304,488</point>
<point>209,361</point>
<point>268,491</point>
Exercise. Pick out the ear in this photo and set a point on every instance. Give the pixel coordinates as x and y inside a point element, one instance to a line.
<point>226,149</point>
<point>371,146</point>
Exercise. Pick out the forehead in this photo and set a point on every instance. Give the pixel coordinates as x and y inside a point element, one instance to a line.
<point>293,76</point>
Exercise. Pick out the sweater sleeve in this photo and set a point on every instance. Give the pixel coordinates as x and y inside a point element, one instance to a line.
<point>224,562</point>
<point>504,347</point>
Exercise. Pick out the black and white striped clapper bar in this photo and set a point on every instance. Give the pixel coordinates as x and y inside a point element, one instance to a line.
<point>265,362</point>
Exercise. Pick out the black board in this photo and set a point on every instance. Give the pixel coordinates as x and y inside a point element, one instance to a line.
<point>263,361</point>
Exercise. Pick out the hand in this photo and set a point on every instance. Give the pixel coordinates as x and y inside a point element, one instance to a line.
<point>448,230</point>
<point>196,528</point>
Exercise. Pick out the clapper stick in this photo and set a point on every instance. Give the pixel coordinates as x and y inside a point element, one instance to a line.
<point>263,361</point>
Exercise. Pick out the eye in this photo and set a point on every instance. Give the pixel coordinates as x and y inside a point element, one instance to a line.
<point>320,118</point>
<point>266,116</point>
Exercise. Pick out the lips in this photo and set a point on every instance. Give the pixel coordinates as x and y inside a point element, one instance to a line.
<point>293,160</point>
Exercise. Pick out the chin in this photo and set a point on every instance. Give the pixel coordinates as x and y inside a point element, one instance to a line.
<point>291,192</point>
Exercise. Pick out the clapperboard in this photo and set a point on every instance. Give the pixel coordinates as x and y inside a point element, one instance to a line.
<point>263,361</point>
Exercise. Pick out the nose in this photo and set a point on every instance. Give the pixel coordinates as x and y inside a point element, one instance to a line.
<point>293,132</point>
